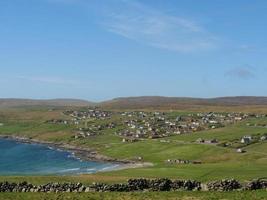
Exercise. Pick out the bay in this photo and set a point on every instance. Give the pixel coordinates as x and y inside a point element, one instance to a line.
<point>18,158</point>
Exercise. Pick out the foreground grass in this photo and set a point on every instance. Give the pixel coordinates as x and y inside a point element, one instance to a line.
<point>85,179</point>
<point>257,195</point>
<point>203,173</point>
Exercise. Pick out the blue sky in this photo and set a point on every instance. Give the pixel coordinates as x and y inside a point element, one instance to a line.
<point>101,49</point>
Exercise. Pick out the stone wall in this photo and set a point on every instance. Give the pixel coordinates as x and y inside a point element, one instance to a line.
<point>136,185</point>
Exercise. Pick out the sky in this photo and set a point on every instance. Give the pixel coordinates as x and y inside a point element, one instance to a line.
<point>103,49</point>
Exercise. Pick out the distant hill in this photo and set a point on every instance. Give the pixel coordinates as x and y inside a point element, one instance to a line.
<point>181,102</point>
<point>145,102</point>
<point>10,103</point>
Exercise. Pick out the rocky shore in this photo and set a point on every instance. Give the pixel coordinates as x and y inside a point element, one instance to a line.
<point>135,185</point>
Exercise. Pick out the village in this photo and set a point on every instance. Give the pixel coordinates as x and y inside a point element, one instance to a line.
<point>90,113</point>
<point>139,125</point>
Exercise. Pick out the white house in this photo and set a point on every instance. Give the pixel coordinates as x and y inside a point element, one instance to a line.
<point>246,139</point>
<point>240,150</point>
<point>238,118</point>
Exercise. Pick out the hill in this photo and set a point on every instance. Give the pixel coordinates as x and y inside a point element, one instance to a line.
<point>150,102</point>
<point>182,102</point>
<point>11,103</point>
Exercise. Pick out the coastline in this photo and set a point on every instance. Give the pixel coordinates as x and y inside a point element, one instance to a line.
<point>85,154</point>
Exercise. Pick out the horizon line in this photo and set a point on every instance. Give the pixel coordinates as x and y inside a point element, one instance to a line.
<point>128,97</point>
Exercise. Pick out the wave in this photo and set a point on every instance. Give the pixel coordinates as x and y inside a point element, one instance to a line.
<point>109,168</point>
<point>91,169</point>
<point>69,170</point>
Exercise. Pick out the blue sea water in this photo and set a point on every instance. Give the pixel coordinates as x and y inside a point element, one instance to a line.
<point>34,159</point>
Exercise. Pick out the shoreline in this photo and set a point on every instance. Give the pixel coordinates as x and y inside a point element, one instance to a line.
<point>84,154</point>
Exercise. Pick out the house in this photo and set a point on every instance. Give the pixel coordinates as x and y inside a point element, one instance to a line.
<point>131,140</point>
<point>179,161</point>
<point>138,158</point>
<point>196,162</point>
<point>213,122</point>
<point>212,141</point>
<point>238,118</point>
<point>263,138</point>
<point>200,140</point>
<point>133,126</point>
<point>246,140</point>
<point>177,132</point>
<point>240,151</point>
<point>147,124</point>
<point>154,136</point>
<point>179,118</point>
<point>150,129</point>
<point>169,161</point>
<point>78,137</point>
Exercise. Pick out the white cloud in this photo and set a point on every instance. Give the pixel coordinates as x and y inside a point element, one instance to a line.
<point>138,22</point>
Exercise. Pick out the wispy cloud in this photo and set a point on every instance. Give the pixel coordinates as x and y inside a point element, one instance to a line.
<point>64,1</point>
<point>240,73</point>
<point>149,26</point>
<point>48,80</point>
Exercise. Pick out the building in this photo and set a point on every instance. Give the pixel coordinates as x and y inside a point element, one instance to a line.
<point>246,140</point>
<point>240,151</point>
<point>263,138</point>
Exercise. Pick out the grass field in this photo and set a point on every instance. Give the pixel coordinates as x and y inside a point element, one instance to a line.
<point>258,195</point>
<point>217,162</point>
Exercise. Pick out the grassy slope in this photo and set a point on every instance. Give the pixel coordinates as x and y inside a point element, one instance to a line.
<point>259,195</point>
<point>30,123</point>
<point>218,162</point>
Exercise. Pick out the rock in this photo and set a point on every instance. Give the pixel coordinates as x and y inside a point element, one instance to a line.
<point>68,190</point>
<point>257,184</point>
<point>224,185</point>
<point>138,184</point>
<point>160,185</point>
<point>87,189</point>
<point>132,185</point>
<point>81,189</point>
<point>186,185</point>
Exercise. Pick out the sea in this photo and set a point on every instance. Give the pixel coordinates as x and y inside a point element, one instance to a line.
<point>17,158</point>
